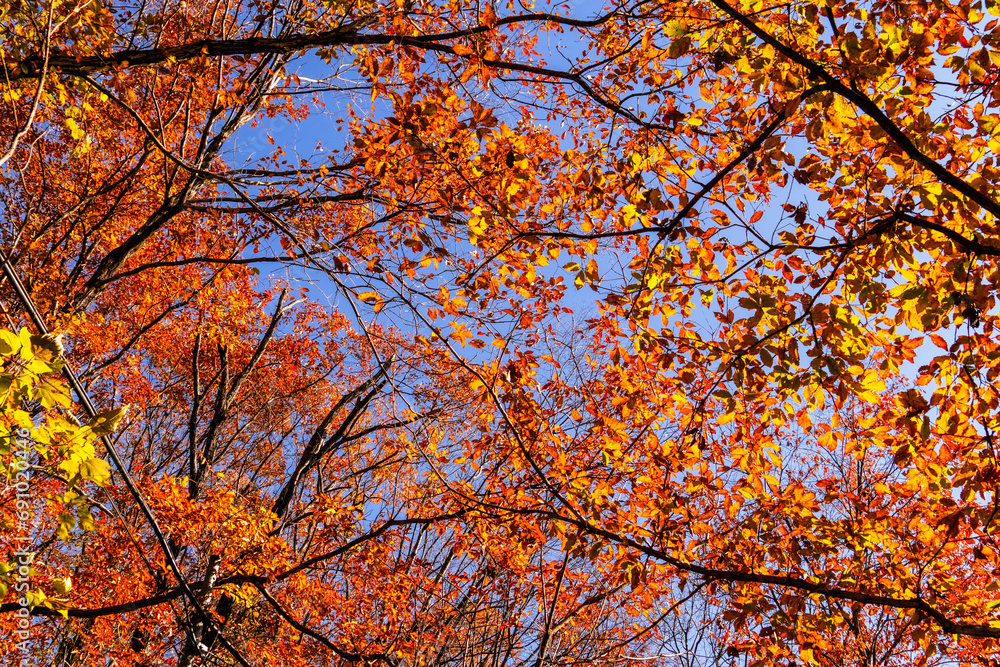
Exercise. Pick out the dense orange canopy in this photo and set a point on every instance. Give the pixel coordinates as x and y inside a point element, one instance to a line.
<point>655,332</point>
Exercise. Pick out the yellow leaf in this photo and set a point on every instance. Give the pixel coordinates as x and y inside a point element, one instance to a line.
<point>9,343</point>
<point>872,382</point>
<point>870,397</point>
<point>62,586</point>
<point>105,423</point>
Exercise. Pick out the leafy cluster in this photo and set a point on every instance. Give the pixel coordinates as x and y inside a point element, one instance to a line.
<point>660,332</point>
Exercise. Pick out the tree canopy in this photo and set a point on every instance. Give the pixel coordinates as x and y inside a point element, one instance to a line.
<point>658,333</point>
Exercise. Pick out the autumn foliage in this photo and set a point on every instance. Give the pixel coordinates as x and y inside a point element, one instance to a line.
<point>425,333</point>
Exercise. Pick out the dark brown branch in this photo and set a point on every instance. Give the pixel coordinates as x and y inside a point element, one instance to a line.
<point>968,245</point>
<point>135,338</point>
<point>284,202</point>
<point>306,564</point>
<point>114,260</point>
<point>97,612</point>
<point>212,432</point>
<point>869,107</point>
<point>341,434</point>
<point>30,68</point>
<point>195,406</point>
<point>195,260</point>
<point>885,226</point>
<point>279,311</point>
<point>787,581</point>
<point>683,212</point>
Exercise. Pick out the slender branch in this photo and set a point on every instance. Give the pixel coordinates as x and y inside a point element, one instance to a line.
<point>345,655</point>
<point>39,88</point>
<point>786,581</point>
<point>319,443</point>
<point>195,406</point>
<point>279,311</point>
